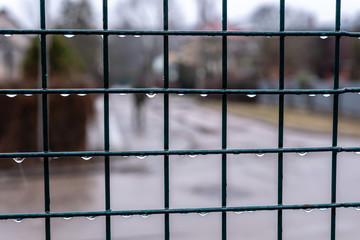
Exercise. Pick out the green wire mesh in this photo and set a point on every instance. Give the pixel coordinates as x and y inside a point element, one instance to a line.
<point>166,152</point>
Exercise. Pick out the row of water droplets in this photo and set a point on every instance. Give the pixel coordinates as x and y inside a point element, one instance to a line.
<point>260,155</point>
<point>149,95</point>
<point>87,158</point>
<point>10,95</point>
<point>152,95</point>
<point>202,214</point>
<point>323,37</point>
<point>123,36</point>
<point>102,36</point>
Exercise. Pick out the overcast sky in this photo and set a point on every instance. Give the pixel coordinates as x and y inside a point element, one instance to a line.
<point>324,10</point>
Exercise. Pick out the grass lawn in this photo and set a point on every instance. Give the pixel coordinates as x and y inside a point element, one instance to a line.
<point>294,118</point>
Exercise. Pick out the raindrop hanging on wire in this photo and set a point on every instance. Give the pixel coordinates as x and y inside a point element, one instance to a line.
<point>301,154</point>
<point>11,95</point>
<point>19,160</point>
<point>238,212</point>
<point>151,95</point>
<point>86,158</point>
<point>203,214</point>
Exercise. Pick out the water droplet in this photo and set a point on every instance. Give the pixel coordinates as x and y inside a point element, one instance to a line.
<point>126,216</point>
<point>18,220</point>
<point>203,214</point>
<point>64,94</point>
<point>145,215</point>
<point>151,95</point>
<point>260,154</point>
<point>357,153</point>
<point>251,211</point>
<point>11,95</point>
<point>301,154</point>
<point>19,160</point>
<point>322,209</point>
<point>82,94</point>
<point>28,95</point>
<point>69,35</point>
<point>308,210</point>
<point>67,218</point>
<point>323,37</point>
<point>251,95</point>
<point>326,95</point>
<point>137,36</point>
<point>268,36</point>
<point>7,35</point>
<point>238,212</point>
<point>102,36</point>
<point>91,218</point>
<point>192,155</point>
<point>357,208</point>
<point>122,94</point>
<point>181,94</point>
<point>86,158</point>
<point>312,95</point>
<point>203,94</point>
<point>141,157</point>
<point>122,36</point>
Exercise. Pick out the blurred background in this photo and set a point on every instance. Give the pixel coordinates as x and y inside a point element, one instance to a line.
<point>136,120</point>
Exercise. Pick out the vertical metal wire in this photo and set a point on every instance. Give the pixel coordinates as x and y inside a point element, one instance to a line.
<point>335,120</point>
<point>166,119</point>
<point>106,118</point>
<point>224,121</point>
<point>45,117</point>
<point>281,119</point>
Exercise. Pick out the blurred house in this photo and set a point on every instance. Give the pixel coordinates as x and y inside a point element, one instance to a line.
<point>200,61</point>
<point>12,50</point>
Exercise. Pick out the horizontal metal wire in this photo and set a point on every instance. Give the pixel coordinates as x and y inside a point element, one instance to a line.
<point>177,211</point>
<point>177,32</point>
<point>181,91</point>
<point>180,152</point>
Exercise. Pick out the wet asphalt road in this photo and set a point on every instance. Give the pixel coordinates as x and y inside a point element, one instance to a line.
<point>194,182</point>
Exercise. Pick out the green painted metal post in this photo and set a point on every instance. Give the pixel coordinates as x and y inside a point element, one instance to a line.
<point>45,128</point>
<point>281,119</point>
<point>166,120</point>
<point>335,120</point>
<point>224,121</point>
<point>106,118</point>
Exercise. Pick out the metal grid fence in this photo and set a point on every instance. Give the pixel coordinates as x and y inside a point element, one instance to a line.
<point>43,32</point>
